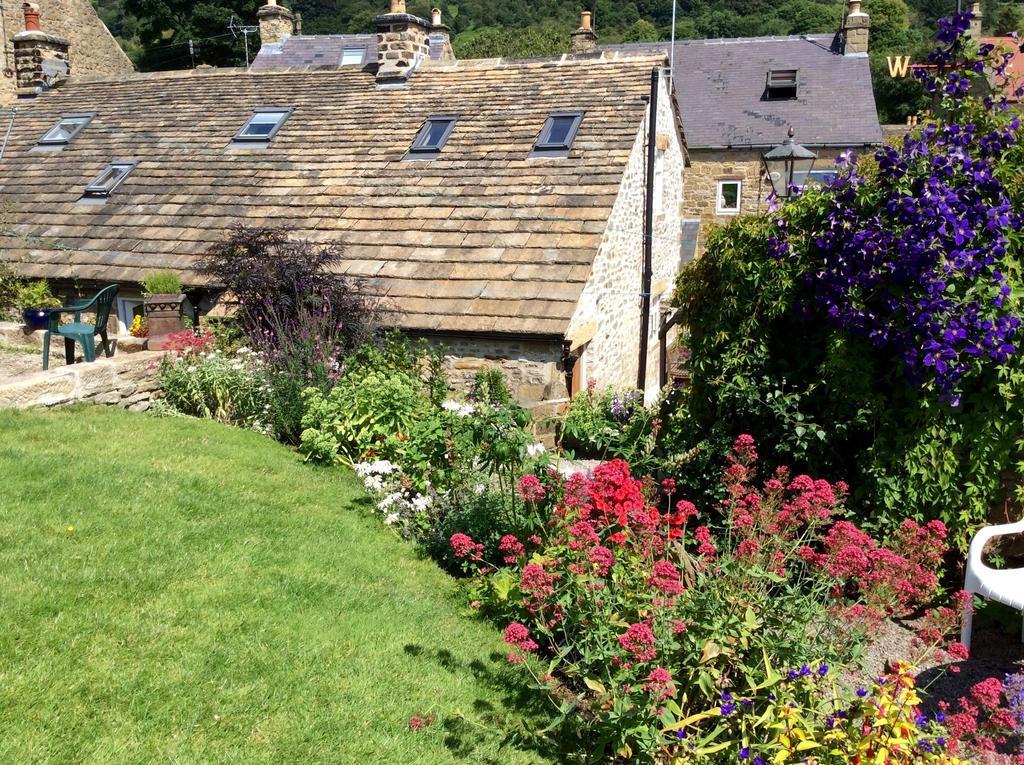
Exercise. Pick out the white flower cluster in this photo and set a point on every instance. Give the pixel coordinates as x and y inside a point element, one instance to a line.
<point>399,506</point>
<point>535,450</point>
<point>463,410</point>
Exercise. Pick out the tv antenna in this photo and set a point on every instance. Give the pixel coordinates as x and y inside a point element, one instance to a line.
<point>237,28</point>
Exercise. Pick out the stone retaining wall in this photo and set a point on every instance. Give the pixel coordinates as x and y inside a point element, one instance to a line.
<point>127,381</point>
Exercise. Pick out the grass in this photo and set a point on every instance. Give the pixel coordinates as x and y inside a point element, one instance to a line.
<point>177,591</point>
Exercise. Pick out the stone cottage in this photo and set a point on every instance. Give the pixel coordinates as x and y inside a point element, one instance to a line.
<point>738,98</point>
<point>70,26</point>
<point>524,213</point>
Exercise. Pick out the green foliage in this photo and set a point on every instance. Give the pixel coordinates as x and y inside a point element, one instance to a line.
<point>35,293</point>
<point>10,287</point>
<point>611,425</point>
<point>230,389</point>
<point>161,283</point>
<point>525,42</point>
<point>826,401</point>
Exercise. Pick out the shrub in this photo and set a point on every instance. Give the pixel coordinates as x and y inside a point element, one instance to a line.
<point>611,425</point>
<point>295,308</point>
<point>36,294</point>
<point>161,283</point>
<point>899,378</point>
<point>649,618</point>
<point>208,384</point>
<point>10,284</point>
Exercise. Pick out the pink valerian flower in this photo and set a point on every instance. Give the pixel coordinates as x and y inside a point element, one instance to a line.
<point>464,547</point>
<point>666,578</point>
<point>668,486</point>
<point>518,635</point>
<point>748,549</point>
<point>678,626</point>
<point>639,641</point>
<point>659,684</point>
<point>534,580</point>
<point>512,548</point>
<point>707,548</point>
<point>582,534</point>
<point>602,558</point>
<point>744,449</point>
<point>531,489</point>
<point>988,693</point>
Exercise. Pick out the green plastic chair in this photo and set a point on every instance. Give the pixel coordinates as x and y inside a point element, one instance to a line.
<point>81,332</point>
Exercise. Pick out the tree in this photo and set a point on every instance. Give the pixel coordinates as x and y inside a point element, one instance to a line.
<point>167,26</point>
<point>641,31</point>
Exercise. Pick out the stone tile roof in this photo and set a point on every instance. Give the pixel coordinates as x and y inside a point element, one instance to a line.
<point>480,239</point>
<point>313,51</point>
<point>720,86</point>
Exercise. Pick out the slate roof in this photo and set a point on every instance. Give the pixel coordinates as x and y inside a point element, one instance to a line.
<point>720,86</point>
<point>313,51</point>
<point>481,239</point>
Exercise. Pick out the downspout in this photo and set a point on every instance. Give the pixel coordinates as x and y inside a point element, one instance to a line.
<point>645,286</point>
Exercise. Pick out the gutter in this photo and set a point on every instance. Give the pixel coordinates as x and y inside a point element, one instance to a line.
<point>648,267</point>
<point>734,147</point>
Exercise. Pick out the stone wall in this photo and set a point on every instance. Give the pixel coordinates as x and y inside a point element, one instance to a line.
<point>709,166</point>
<point>128,381</point>
<point>94,51</point>
<point>533,370</point>
<point>607,321</point>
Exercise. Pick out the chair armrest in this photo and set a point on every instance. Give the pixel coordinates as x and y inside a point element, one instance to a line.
<point>990,532</point>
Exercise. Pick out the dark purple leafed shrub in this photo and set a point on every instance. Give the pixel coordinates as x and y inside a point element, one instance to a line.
<point>294,307</point>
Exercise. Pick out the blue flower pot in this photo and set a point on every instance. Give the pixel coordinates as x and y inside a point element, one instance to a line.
<point>36,318</point>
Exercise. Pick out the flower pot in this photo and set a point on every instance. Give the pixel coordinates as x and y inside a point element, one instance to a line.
<point>163,318</point>
<point>36,318</point>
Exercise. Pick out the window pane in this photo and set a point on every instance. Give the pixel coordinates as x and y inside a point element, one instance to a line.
<point>560,129</point>
<point>435,132</point>
<point>730,196</point>
<point>263,124</point>
<point>352,56</point>
<point>64,130</point>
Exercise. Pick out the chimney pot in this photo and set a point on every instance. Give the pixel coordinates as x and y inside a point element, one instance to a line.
<point>854,6</point>
<point>585,22</point>
<point>398,6</point>
<point>32,17</point>
<point>435,17</point>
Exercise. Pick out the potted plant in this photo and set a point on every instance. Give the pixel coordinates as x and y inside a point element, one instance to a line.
<point>163,301</point>
<point>36,302</point>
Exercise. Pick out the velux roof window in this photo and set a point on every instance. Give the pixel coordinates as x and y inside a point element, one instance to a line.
<point>557,135</point>
<point>353,55</point>
<point>65,130</point>
<point>262,125</point>
<point>432,137</point>
<point>781,84</point>
<point>109,178</point>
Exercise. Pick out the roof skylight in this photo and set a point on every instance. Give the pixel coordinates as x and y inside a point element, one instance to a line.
<point>65,130</point>
<point>558,133</point>
<point>781,84</point>
<point>109,178</point>
<point>432,137</point>
<point>262,125</point>
<point>353,55</point>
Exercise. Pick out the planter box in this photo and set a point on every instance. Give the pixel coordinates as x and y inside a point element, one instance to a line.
<point>163,317</point>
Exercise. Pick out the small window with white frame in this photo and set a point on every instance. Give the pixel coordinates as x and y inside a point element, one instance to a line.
<point>110,178</point>
<point>65,130</point>
<point>262,126</point>
<point>730,192</point>
<point>353,55</point>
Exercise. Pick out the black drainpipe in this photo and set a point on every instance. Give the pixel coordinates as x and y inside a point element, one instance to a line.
<point>645,288</point>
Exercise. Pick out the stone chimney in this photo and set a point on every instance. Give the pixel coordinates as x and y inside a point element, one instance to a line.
<point>976,17</point>
<point>403,40</point>
<point>41,60</point>
<point>855,31</point>
<point>276,23</point>
<point>440,37</point>
<point>584,39</point>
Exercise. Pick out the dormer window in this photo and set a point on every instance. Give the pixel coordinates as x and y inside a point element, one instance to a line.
<point>432,137</point>
<point>262,126</point>
<point>352,56</point>
<point>781,84</point>
<point>65,130</point>
<point>109,178</point>
<point>557,135</point>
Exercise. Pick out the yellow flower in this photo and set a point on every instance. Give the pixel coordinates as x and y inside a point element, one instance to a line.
<point>70,529</point>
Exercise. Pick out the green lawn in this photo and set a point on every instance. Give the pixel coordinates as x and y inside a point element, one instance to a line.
<point>177,591</point>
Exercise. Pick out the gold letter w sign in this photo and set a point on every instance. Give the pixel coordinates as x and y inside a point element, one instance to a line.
<point>898,65</point>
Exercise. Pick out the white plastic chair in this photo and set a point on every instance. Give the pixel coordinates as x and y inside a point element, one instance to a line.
<point>1003,586</point>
